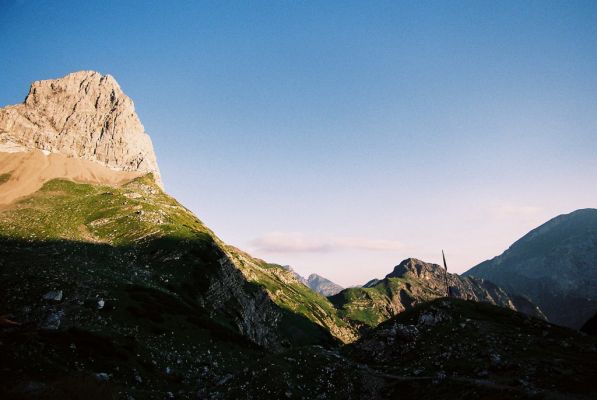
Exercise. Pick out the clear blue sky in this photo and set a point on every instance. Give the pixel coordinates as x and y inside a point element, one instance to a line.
<point>342,137</point>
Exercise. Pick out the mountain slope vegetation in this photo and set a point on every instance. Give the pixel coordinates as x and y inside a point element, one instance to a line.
<point>128,267</point>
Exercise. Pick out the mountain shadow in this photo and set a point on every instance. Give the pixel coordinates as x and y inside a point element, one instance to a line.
<point>92,308</point>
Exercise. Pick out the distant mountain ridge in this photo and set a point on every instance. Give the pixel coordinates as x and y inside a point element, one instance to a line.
<point>322,285</point>
<point>316,283</point>
<point>554,265</point>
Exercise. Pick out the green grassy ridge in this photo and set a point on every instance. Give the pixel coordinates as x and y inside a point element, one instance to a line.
<point>362,305</point>
<point>373,305</point>
<point>138,213</point>
<point>292,295</point>
<point>63,209</point>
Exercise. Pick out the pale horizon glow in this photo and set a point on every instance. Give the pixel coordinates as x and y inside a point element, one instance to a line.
<point>343,137</point>
<point>296,242</point>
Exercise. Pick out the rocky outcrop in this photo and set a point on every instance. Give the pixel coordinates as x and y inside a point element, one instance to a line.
<point>264,313</point>
<point>554,265</point>
<point>322,285</point>
<point>467,288</point>
<point>413,282</point>
<point>85,115</point>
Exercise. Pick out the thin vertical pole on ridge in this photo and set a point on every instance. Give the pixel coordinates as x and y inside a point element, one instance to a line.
<point>446,274</point>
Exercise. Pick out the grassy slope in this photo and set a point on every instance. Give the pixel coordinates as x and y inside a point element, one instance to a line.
<point>101,214</point>
<point>137,212</point>
<point>289,293</point>
<point>146,257</point>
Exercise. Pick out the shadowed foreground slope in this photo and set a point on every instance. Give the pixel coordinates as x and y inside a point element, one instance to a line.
<point>456,349</point>
<point>443,349</point>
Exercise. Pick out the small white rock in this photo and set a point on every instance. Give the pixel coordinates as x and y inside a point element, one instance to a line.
<point>54,295</point>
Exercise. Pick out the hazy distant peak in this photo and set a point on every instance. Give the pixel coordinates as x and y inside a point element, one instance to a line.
<point>322,285</point>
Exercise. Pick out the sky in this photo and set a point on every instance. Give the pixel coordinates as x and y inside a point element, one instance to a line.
<point>343,137</point>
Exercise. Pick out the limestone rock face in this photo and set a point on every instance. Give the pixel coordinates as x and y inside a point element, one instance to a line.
<point>84,114</point>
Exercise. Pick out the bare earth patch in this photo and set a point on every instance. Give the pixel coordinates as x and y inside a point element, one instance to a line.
<point>26,172</point>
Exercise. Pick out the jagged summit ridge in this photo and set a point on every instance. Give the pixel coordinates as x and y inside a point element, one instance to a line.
<point>413,282</point>
<point>416,268</point>
<point>85,115</point>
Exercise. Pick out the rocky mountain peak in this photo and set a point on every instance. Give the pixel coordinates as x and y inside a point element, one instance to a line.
<point>84,114</point>
<point>416,268</point>
<point>413,282</point>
